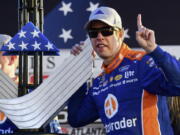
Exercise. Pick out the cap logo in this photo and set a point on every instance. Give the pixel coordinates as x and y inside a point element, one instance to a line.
<point>98,12</point>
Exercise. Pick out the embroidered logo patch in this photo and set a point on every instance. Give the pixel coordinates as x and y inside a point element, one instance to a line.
<point>110,106</point>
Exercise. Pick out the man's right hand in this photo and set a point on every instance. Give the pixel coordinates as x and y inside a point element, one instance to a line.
<point>77,48</point>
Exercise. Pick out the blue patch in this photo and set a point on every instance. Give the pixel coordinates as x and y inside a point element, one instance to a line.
<point>98,12</point>
<point>150,62</point>
<point>124,68</point>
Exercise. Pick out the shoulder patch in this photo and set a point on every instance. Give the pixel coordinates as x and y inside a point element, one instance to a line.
<point>150,62</point>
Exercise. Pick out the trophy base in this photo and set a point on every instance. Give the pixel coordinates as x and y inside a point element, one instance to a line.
<point>34,133</point>
<point>40,131</point>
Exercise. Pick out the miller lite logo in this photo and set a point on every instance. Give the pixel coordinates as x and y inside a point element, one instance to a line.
<point>110,106</point>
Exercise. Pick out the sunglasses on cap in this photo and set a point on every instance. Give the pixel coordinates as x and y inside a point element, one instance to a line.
<point>105,31</point>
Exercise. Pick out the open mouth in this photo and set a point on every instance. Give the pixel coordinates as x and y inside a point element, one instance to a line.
<point>100,45</point>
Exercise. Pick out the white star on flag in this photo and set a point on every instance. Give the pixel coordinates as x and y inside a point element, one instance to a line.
<point>23,45</point>
<point>66,35</point>
<point>11,45</point>
<point>36,45</point>
<point>126,33</point>
<point>65,8</point>
<point>92,6</point>
<point>22,34</point>
<point>49,46</point>
<point>35,33</point>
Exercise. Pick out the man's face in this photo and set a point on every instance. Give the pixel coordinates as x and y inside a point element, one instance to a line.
<point>106,45</point>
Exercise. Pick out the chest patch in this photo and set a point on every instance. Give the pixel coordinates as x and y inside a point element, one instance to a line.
<point>110,106</point>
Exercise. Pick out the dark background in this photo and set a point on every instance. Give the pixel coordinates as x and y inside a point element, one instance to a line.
<point>9,14</point>
<point>163,16</point>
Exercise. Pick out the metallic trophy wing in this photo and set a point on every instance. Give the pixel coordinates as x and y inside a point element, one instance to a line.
<point>8,88</point>
<point>34,109</point>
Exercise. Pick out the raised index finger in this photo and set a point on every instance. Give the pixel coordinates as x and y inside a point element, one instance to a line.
<point>139,22</point>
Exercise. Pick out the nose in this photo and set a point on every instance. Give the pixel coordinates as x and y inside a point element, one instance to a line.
<point>100,36</point>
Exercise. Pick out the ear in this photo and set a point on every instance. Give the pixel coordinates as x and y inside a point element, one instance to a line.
<point>12,59</point>
<point>121,33</point>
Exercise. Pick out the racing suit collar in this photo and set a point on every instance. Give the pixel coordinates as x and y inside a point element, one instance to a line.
<point>117,60</point>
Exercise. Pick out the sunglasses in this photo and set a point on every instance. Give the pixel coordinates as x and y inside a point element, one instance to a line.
<point>105,31</point>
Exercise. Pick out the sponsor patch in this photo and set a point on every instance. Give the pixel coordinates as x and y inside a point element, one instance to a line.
<point>129,74</point>
<point>118,77</point>
<point>121,124</point>
<point>124,68</point>
<point>110,106</point>
<point>150,62</point>
<point>111,78</point>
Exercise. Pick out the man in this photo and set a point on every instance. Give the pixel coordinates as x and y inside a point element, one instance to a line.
<point>8,64</point>
<point>129,95</point>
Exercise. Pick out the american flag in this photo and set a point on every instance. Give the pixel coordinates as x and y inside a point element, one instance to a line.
<point>29,39</point>
<point>160,15</point>
<point>64,25</point>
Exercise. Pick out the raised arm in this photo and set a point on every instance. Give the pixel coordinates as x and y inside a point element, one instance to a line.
<point>169,65</point>
<point>145,37</point>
